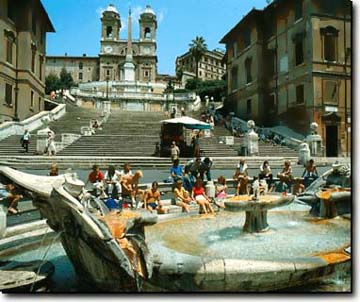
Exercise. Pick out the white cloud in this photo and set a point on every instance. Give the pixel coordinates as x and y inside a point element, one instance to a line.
<point>161,15</point>
<point>99,11</point>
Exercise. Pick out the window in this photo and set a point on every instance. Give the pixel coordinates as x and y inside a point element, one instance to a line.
<point>299,52</point>
<point>300,94</point>
<point>81,65</point>
<point>248,62</point>
<point>8,94</point>
<point>33,23</point>
<point>298,9</point>
<point>108,72</point>
<point>109,31</point>
<point>146,73</point>
<point>32,99</point>
<point>80,75</point>
<point>271,62</point>
<point>9,50</point>
<point>39,104</point>
<point>147,33</point>
<point>248,107</point>
<point>330,37</point>
<point>234,79</point>
<point>247,38</point>
<point>330,92</point>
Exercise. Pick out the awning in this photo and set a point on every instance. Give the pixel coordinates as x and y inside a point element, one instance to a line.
<point>188,122</point>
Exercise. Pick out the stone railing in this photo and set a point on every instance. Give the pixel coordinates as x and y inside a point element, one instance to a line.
<point>35,122</point>
<point>287,140</point>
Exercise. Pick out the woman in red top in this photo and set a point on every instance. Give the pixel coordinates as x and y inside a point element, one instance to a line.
<point>201,198</point>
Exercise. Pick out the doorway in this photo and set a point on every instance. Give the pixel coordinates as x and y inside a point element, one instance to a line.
<point>331,141</point>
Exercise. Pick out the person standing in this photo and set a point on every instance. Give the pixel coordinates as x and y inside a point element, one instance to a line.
<point>196,145</point>
<point>25,140</point>
<point>174,151</point>
<point>50,143</point>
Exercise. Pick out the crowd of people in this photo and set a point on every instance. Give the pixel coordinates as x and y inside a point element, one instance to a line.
<point>187,185</point>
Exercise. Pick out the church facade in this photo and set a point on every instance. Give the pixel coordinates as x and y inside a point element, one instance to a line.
<point>109,65</point>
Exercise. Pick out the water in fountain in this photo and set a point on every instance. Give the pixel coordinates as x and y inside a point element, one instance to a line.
<point>223,237</point>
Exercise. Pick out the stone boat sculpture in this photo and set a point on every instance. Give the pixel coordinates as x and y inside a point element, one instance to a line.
<point>330,195</point>
<point>110,250</point>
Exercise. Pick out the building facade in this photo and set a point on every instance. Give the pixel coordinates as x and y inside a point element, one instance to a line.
<point>290,63</point>
<point>82,69</point>
<point>211,65</point>
<point>109,65</point>
<point>23,28</point>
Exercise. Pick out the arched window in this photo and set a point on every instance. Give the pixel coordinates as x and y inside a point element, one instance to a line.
<point>109,31</point>
<point>147,33</point>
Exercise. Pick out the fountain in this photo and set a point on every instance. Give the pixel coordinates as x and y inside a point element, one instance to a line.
<point>132,251</point>
<point>256,209</point>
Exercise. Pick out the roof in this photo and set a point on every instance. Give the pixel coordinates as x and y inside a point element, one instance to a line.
<point>50,26</point>
<point>111,8</point>
<point>253,13</point>
<point>72,57</point>
<point>148,10</point>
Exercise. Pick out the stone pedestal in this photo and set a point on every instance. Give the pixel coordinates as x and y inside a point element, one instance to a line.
<point>314,141</point>
<point>42,136</point>
<point>252,140</point>
<point>255,222</point>
<point>304,153</point>
<point>129,72</point>
<point>315,144</point>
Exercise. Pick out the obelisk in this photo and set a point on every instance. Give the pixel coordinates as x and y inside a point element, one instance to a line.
<point>129,67</point>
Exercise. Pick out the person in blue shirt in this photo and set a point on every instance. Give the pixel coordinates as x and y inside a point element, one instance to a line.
<point>176,170</point>
<point>188,179</point>
<point>279,186</point>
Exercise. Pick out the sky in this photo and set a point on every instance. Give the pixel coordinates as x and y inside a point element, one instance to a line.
<point>77,24</point>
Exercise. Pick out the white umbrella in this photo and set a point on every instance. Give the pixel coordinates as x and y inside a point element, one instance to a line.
<point>188,122</point>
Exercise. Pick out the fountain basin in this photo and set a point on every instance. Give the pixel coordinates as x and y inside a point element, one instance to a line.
<point>197,254</point>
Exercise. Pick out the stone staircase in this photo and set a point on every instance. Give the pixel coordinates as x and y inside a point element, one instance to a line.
<point>124,134</point>
<point>127,134</point>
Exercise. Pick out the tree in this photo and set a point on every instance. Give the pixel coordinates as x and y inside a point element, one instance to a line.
<point>52,83</point>
<point>210,88</point>
<point>198,48</point>
<point>66,80</point>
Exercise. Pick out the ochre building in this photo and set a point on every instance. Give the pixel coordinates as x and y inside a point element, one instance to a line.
<point>23,28</point>
<point>211,65</point>
<point>290,63</point>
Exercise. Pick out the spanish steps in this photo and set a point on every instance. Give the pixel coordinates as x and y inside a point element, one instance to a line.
<point>126,134</point>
